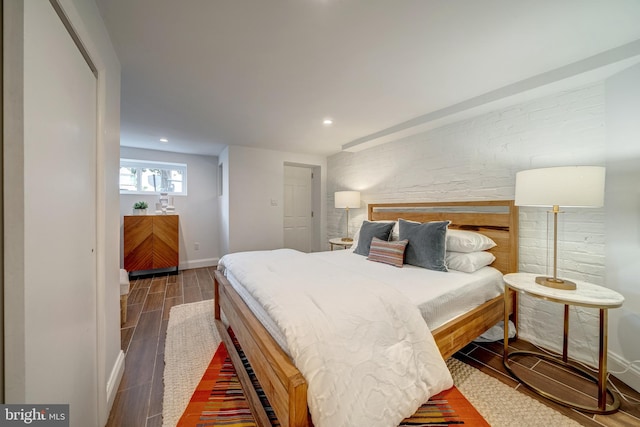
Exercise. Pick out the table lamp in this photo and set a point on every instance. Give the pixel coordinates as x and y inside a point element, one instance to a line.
<point>346,200</point>
<point>566,186</point>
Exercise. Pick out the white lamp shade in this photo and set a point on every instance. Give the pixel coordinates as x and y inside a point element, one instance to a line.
<point>568,186</point>
<point>347,199</point>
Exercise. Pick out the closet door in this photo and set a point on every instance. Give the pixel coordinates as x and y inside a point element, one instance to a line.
<point>55,328</point>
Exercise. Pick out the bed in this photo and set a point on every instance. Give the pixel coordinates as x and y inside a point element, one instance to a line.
<point>283,383</point>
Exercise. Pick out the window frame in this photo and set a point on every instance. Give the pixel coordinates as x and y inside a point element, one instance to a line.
<point>151,164</point>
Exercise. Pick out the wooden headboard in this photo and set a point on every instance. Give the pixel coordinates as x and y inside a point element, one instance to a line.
<point>497,219</point>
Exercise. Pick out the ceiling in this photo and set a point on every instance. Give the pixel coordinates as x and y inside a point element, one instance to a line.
<point>266,73</point>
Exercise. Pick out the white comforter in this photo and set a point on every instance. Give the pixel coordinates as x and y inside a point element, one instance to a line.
<point>365,351</point>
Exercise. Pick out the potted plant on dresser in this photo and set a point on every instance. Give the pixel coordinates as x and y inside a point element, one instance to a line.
<point>140,208</point>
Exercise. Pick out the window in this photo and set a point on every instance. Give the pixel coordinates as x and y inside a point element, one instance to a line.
<point>147,177</point>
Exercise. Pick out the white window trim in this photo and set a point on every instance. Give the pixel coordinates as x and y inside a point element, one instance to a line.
<point>149,164</point>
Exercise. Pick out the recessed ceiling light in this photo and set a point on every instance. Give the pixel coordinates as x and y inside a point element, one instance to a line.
<point>164,140</point>
<point>327,122</point>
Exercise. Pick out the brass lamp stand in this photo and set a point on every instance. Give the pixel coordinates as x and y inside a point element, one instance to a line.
<point>555,282</point>
<point>347,239</point>
<point>345,200</point>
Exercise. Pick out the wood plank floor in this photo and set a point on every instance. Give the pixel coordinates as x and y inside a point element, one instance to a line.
<point>138,402</point>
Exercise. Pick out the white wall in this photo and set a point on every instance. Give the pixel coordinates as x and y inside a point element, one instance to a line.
<point>223,201</point>
<point>477,159</point>
<point>88,25</point>
<point>622,223</point>
<point>255,196</point>
<point>198,210</point>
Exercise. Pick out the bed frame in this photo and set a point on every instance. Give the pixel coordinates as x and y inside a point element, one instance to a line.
<point>284,385</point>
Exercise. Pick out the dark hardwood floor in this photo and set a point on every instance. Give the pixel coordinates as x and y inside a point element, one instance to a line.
<point>138,402</point>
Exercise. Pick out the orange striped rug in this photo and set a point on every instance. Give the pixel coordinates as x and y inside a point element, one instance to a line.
<point>219,401</point>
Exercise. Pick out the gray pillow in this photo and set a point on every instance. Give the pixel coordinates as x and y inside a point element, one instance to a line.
<point>368,231</point>
<point>427,243</point>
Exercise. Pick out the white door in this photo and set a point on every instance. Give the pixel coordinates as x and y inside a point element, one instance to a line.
<point>297,208</point>
<point>60,110</point>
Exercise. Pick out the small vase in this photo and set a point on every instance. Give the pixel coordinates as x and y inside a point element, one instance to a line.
<point>139,211</point>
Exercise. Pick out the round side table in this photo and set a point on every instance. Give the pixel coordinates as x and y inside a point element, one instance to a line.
<point>585,295</point>
<point>340,243</point>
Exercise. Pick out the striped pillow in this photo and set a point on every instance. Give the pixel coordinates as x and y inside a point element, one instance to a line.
<point>388,252</point>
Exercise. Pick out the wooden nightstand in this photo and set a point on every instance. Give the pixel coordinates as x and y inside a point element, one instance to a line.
<point>340,243</point>
<point>585,295</point>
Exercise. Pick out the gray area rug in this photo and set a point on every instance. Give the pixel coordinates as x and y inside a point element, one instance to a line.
<point>192,339</point>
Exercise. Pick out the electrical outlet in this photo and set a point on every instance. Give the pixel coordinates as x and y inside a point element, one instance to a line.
<point>196,246</point>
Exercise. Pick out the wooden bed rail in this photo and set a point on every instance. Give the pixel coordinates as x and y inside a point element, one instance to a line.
<point>451,337</point>
<point>281,381</point>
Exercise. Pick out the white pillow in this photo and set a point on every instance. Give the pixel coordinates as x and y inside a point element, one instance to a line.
<point>467,241</point>
<point>395,232</point>
<point>468,262</point>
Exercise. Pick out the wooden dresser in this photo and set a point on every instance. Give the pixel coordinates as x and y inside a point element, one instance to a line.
<point>151,242</point>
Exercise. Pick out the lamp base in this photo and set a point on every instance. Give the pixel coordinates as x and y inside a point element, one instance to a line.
<point>551,282</point>
<point>347,239</point>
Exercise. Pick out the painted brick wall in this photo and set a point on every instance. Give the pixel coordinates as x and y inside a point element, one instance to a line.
<point>477,159</point>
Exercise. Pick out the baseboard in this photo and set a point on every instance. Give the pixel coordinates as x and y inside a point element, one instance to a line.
<point>199,263</point>
<point>631,377</point>
<point>114,379</point>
